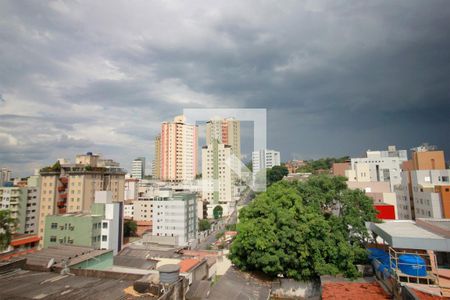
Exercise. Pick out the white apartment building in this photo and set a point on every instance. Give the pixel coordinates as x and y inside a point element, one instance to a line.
<point>217,179</point>
<point>378,166</point>
<point>138,168</point>
<point>112,224</point>
<point>175,215</point>
<point>265,159</point>
<point>23,203</point>
<point>131,189</point>
<point>429,190</point>
<point>5,176</point>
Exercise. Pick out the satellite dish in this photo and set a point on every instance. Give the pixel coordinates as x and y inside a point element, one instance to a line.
<point>50,263</point>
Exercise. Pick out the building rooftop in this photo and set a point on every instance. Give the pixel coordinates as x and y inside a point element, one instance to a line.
<point>75,254</point>
<point>353,290</point>
<point>236,285</point>
<point>407,234</point>
<point>23,284</point>
<point>187,264</point>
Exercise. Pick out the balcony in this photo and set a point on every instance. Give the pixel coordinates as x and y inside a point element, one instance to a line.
<point>63,196</point>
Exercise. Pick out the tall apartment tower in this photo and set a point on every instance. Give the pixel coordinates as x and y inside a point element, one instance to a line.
<point>5,176</point>
<point>179,146</point>
<point>156,166</point>
<point>424,191</point>
<point>138,168</point>
<point>225,131</point>
<point>70,188</point>
<point>221,163</point>
<point>265,159</point>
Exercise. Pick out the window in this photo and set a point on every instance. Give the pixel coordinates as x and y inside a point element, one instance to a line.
<point>105,225</point>
<point>104,238</point>
<point>54,226</point>
<point>445,178</point>
<point>53,239</point>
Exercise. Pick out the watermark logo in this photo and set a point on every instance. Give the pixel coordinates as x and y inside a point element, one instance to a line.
<point>218,154</point>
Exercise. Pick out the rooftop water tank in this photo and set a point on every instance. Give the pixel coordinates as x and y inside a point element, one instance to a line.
<point>412,265</point>
<point>168,273</point>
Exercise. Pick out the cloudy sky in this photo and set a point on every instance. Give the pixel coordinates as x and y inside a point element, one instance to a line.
<point>337,77</point>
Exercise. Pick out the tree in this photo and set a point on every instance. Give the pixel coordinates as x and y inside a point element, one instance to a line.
<point>129,228</point>
<point>302,230</point>
<point>6,225</point>
<point>217,212</point>
<point>204,225</point>
<point>275,174</point>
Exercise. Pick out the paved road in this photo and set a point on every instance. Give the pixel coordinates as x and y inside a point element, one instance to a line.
<point>246,197</point>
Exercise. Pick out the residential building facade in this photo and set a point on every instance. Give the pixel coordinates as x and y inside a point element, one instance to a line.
<point>179,146</point>
<point>70,188</point>
<point>423,191</point>
<point>102,228</point>
<point>217,178</point>
<point>5,176</point>
<point>175,215</point>
<point>138,168</point>
<point>265,159</point>
<point>156,165</point>
<point>378,166</point>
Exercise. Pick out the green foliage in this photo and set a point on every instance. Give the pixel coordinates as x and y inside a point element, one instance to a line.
<point>204,225</point>
<point>217,212</point>
<point>313,166</point>
<point>56,167</point>
<point>129,228</point>
<point>302,230</point>
<point>275,174</point>
<point>230,227</point>
<point>219,234</point>
<point>6,225</point>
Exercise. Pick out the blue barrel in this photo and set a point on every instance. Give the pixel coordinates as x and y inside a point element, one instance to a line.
<point>412,265</point>
<point>376,253</point>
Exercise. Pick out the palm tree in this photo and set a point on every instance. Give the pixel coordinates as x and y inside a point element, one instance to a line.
<point>6,225</point>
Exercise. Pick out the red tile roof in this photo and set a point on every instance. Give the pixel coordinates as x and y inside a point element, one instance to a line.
<point>425,296</point>
<point>352,290</point>
<point>187,264</point>
<point>23,240</point>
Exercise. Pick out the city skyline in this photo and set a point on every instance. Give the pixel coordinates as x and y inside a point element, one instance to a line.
<point>345,77</point>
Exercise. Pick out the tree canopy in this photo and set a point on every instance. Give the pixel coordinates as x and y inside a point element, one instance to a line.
<point>129,228</point>
<point>204,225</point>
<point>302,230</point>
<point>275,174</point>
<point>6,225</point>
<point>312,166</point>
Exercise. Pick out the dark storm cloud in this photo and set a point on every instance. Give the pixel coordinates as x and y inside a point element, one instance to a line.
<point>337,77</point>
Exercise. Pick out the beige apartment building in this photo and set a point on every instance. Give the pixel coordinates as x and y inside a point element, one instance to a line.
<point>156,167</point>
<point>70,188</point>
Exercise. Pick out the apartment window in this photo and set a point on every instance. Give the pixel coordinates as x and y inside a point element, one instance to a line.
<point>53,239</point>
<point>104,238</point>
<point>54,225</point>
<point>105,225</point>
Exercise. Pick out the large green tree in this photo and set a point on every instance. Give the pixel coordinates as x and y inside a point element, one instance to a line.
<point>302,230</point>
<point>129,228</point>
<point>6,225</point>
<point>275,174</point>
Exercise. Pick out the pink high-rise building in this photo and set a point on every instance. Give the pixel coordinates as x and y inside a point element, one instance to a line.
<point>178,150</point>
